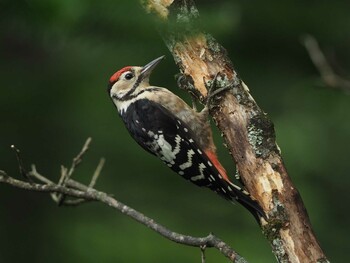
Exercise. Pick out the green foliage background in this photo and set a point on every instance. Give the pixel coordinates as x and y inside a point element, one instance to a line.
<point>56,57</point>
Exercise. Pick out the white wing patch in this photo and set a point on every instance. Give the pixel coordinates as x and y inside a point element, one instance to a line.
<point>187,164</point>
<point>166,150</point>
<point>201,175</point>
<point>168,154</point>
<point>178,140</point>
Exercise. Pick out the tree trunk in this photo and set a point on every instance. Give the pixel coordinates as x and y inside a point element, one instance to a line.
<point>247,130</point>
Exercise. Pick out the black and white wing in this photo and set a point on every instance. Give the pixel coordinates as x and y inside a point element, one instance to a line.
<point>164,135</point>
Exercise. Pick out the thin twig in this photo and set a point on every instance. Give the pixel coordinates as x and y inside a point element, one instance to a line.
<point>65,174</point>
<point>97,173</point>
<point>78,159</point>
<point>22,170</point>
<point>203,253</point>
<point>34,174</point>
<point>328,75</point>
<point>74,184</point>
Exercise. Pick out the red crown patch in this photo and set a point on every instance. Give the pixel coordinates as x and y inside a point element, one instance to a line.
<point>116,75</point>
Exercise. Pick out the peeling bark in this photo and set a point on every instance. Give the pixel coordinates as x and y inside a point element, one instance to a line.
<point>248,132</point>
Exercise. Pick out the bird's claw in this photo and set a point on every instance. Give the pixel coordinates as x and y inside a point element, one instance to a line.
<point>213,91</point>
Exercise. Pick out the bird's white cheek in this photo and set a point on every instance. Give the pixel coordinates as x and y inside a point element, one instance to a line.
<point>117,92</point>
<point>120,93</point>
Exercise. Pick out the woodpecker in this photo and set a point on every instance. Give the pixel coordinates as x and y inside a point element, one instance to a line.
<point>165,126</point>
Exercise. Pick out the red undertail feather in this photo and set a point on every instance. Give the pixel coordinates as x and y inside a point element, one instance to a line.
<point>214,159</point>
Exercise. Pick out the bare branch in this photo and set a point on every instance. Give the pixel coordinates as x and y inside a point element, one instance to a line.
<point>329,77</point>
<point>82,194</point>
<point>94,195</point>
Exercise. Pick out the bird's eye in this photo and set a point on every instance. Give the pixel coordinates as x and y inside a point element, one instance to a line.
<point>129,76</point>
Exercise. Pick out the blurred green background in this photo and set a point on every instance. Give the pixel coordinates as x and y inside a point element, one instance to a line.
<point>56,57</point>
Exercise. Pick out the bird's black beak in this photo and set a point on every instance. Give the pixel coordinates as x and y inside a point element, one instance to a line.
<point>147,70</point>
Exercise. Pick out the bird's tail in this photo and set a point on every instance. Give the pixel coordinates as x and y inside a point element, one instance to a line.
<point>232,192</point>
<point>245,199</point>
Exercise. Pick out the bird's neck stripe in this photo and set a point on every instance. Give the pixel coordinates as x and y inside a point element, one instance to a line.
<point>129,95</point>
<point>134,96</point>
<point>123,105</point>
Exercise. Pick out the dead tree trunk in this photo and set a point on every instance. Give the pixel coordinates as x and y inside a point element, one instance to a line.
<point>247,130</point>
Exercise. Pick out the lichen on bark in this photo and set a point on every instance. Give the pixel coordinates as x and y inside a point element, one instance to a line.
<point>261,135</point>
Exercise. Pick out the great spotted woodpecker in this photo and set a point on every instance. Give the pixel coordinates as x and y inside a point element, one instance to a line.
<point>164,125</point>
